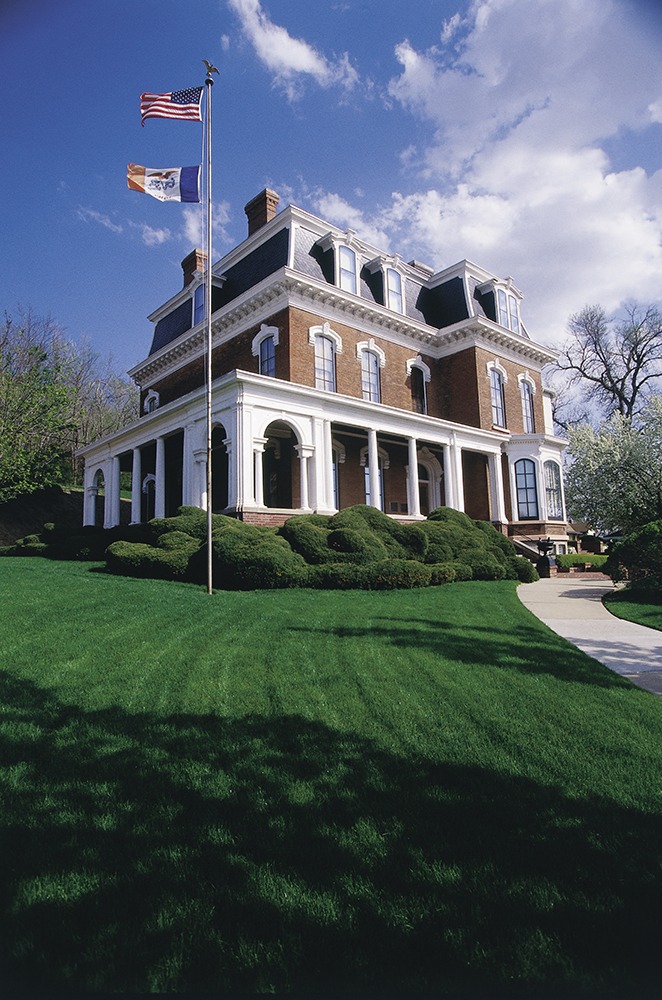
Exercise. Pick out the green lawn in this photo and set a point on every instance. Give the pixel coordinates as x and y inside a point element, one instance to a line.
<point>345,792</point>
<point>634,606</point>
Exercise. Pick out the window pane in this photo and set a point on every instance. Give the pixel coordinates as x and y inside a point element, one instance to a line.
<point>347,269</point>
<point>418,400</point>
<point>199,305</point>
<point>527,408</point>
<point>498,404</point>
<point>268,357</point>
<point>553,491</point>
<point>325,366</point>
<point>514,317</point>
<point>370,376</point>
<point>502,315</point>
<point>394,290</point>
<point>527,496</point>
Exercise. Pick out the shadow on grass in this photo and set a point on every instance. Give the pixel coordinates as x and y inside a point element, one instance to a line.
<point>191,853</point>
<point>528,649</point>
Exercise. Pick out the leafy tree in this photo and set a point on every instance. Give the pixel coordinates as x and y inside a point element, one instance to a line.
<point>614,366</point>
<point>33,414</point>
<point>615,479</point>
<point>55,396</point>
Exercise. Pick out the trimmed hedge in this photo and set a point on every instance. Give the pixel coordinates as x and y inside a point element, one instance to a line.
<point>571,559</point>
<point>360,547</point>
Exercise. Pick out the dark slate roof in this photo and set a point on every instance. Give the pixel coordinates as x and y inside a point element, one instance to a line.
<point>172,326</point>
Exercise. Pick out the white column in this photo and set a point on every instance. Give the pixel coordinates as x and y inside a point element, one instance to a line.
<point>412,478</point>
<point>373,468</point>
<point>327,469</point>
<point>496,483</point>
<point>244,456</point>
<point>456,455</point>
<point>159,476</point>
<point>188,470</point>
<point>199,478</point>
<point>90,498</point>
<point>111,505</point>
<point>232,475</point>
<point>258,452</point>
<point>304,452</point>
<point>136,486</point>
<point>449,492</point>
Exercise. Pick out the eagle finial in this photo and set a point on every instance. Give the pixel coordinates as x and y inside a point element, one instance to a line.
<point>210,69</point>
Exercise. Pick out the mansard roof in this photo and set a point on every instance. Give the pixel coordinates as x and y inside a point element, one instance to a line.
<point>295,250</point>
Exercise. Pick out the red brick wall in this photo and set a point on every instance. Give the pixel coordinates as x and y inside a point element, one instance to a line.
<point>476,485</point>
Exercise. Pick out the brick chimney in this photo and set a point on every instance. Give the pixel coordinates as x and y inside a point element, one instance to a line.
<point>196,261</point>
<point>261,210</point>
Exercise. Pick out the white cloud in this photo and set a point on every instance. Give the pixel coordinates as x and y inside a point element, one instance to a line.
<point>91,215</point>
<point>193,229</point>
<point>522,96</point>
<point>290,59</point>
<point>152,237</point>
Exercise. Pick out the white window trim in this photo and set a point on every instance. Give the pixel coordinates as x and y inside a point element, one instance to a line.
<point>152,395</point>
<point>418,362</point>
<point>384,460</point>
<point>372,348</point>
<point>525,377</point>
<point>386,263</point>
<point>325,331</point>
<point>333,241</point>
<point>263,333</point>
<point>499,367</point>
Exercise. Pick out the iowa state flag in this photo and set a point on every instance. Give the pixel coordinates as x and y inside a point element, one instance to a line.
<point>165,183</point>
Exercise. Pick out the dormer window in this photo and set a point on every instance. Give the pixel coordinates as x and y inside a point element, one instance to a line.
<point>346,259</point>
<point>198,305</point>
<point>506,303</point>
<point>392,281</point>
<point>347,269</point>
<point>394,297</point>
<point>508,310</point>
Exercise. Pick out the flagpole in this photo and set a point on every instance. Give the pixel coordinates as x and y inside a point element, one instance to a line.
<point>208,308</point>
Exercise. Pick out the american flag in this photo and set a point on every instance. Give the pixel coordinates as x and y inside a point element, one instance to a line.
<point>183,104</point>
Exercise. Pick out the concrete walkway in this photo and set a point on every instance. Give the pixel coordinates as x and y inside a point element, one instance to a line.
<point>572,607</point>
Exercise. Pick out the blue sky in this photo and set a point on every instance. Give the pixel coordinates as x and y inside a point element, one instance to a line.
<point>525,135</point>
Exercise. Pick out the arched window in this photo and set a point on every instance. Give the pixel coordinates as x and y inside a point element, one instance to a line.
<point>419,401</point>
<point>325,364</point>
<point>268,357</point>
<point>151,401</point>
<point>198,305</point>
<point>527,494</point>
<point>264,347</point>
<point>370,376</point>
<point>528,419</point>
<point>497,396</point>
<point>347,268</point>
<point>394,297</point>
<point>553,495</point>
<point>507,310</point>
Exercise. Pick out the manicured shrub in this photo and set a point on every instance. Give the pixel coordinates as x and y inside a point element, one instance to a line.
<point>362,518</point>
<point>443,572</point>
<point>524,570</point>
<point>308,535</point>
<point>570,559</point>
<point>359,546</point>
<point>141,560</point>
<point>462,570</point>
<point>486,567</point>
<point>399,573</point>
<point>248,557</point>
<point>339,576</point>
<point>638,557</point>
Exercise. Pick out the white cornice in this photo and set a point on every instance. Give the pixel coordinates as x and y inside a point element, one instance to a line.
<point>290,288</point>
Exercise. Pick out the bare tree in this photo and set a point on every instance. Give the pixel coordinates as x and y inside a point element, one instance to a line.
<point>615,365</point>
